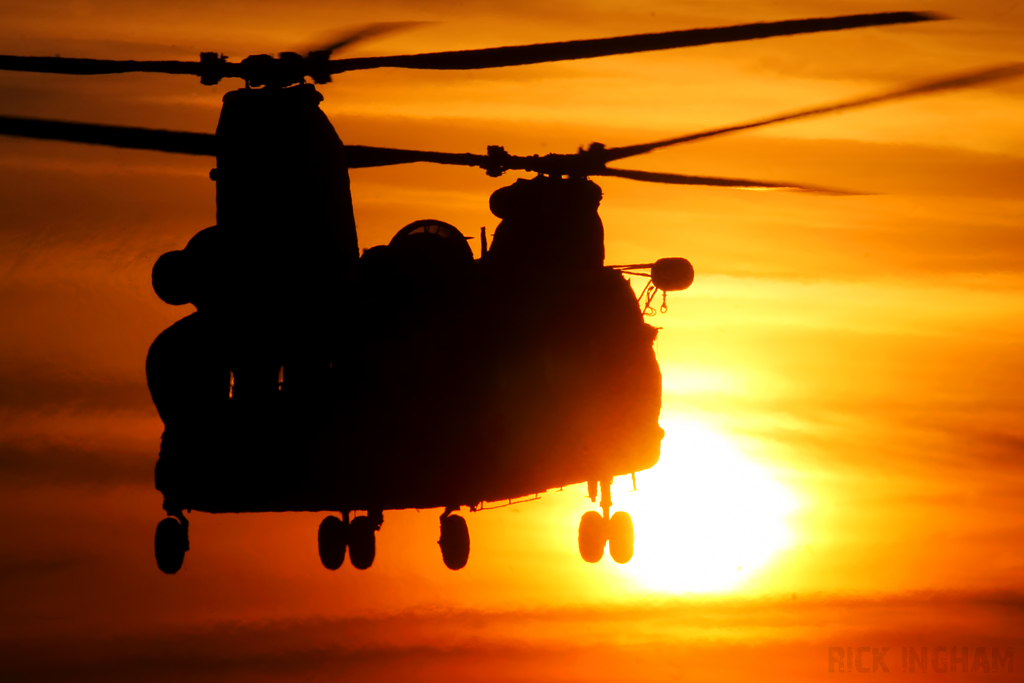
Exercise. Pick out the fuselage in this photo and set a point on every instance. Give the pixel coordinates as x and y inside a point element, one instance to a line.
<point>426,380</point>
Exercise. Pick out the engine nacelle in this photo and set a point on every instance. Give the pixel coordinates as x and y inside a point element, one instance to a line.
<point>173,278</point>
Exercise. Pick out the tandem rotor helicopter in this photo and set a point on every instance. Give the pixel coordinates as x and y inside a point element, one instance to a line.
<point>289,390</point>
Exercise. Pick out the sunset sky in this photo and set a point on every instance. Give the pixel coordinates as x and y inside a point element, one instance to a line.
<point>844,458</point>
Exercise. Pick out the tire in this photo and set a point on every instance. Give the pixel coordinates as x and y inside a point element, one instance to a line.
<point>620,537</point>
<point>454,542</point>
<point>170,544</point>
<point>332,538</point>
<point>362,542</point>
<point>592,537</point>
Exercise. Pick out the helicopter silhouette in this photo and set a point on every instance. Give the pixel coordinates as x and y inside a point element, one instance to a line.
<point>313,377</point>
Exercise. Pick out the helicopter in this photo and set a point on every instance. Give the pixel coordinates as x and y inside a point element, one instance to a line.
<point>289,390</point>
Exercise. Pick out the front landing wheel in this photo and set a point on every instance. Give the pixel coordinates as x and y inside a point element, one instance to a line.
<point>620,537</point>
<point>454,541</point>
<point>170,544</point>
<point>592,536</point>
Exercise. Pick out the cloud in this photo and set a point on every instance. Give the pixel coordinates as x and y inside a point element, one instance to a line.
<point>780,638</point>
<point>47,388</point>
<point>15,568</point>
<point>65,464</point>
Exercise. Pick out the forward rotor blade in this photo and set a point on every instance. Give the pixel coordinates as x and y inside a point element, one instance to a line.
<point>81,67</point>
<point>203,144</point>
<point>359,156</point>
<point>584,49</point>
<point>711,181</point>
<point>962,81</point>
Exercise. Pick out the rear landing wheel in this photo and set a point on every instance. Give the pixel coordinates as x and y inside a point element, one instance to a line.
<point>331,540</point>
<point>362,542</point>
<point>454,541</point>
<point>592,536</point>
<point>170,544</point>
<point>620,537</point>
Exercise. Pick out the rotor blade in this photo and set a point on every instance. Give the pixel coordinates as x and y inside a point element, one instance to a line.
<point>114,136</point>
<point>359,156</point>
<point>962,81</point>
<point>364,33</point>
<point>584,49</point>
<point>74,65</point>
<point>711,181</point>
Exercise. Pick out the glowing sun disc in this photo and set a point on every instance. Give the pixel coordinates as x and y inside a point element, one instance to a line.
<point>706,517</point>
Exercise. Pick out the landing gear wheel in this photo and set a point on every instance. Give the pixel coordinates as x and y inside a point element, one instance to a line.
<point>620,537</point>
<point>362,542</point>
<point>592,536</point>
<point>170,545</point>
<point>331,540</point>
<point>454,541</point>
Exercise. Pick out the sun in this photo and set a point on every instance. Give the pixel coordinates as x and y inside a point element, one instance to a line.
<point>706,516</point>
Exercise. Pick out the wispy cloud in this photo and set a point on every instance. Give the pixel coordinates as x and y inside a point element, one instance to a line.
<point>61,464</point>
<point>782,638</point>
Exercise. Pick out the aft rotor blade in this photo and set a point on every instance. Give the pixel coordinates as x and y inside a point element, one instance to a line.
<point>366,32</point>
<point>203,144</point>
<point>359,156</point>
<point>584,49</point>
<point>82,67</point>
<point>961,81</point>
<point>712,181</point>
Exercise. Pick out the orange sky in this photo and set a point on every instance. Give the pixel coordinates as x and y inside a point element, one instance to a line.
<point>843,462</point>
